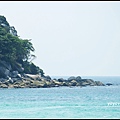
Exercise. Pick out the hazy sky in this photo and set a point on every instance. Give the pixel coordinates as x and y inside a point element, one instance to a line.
<point>70,38</point>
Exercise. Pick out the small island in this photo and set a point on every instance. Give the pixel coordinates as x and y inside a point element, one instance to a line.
<point>17,69</point>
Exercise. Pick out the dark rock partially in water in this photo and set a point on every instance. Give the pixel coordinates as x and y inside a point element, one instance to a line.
<point>109,84</point>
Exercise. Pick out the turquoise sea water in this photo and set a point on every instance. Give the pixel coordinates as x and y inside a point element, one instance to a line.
<point>62,102</point>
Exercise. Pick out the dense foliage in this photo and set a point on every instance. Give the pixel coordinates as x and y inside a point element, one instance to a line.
<point>17,51</point>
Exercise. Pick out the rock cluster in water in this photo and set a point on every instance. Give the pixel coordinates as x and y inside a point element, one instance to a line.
<point>36,81</point>
<point>13,79</point>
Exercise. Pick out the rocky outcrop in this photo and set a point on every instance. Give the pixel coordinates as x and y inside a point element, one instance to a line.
<point>12,73</point>
<point>36,81</point>
<point>6,70</point>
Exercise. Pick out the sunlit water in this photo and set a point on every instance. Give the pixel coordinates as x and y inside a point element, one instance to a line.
<point>62,102</point>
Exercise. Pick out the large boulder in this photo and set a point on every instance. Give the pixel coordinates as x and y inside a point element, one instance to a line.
<point>47,77</point>
<point>5,69</point>
<point>3,85</point>
<point>85,84</point>
<point>109,84</point>
<point>14,74</point>
<point>4,72</point>
<point>33,77</point>
<point>99,83</point>
<point>71,78</point>
<point>73,83</point>
<point>78,78</point>
<point>5,64</point>
<point>61,80</point>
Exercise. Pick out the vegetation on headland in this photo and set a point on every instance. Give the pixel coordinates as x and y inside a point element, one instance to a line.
<point>16,51</point>
<point>17,69</point>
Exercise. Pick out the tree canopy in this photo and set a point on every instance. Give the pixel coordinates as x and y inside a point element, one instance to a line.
<point>16,50</point>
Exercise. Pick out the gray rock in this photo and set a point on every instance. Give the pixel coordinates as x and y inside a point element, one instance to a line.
<point>85,84</point>
<point>2,79</point>
<point>47,78</point>
<point>98,83</point>
<point>71,78</point>
<point>73,84</point>
<point>27,76</point>
<point>109,84</point>
<point>14,74</point>
<point>61,80</point>
<point>3,86</point>
<point>90,81</point>
<point>5,64</point>
<point>11,81</point>
<point>4,69</point>
<point>65,84</point>
<point>78,78</point>
<point>4,72</point>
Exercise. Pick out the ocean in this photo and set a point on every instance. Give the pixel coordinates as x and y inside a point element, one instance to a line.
<point>63,102</point>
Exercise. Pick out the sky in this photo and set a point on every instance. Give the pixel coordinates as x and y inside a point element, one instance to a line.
<point>71,38</point>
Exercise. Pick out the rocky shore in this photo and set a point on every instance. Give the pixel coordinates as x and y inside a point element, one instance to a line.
<point>36,81</point>
<point>17,72</point>
<point>13,79</point>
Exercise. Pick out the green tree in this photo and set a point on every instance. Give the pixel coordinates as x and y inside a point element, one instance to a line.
<point>17,51</point>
